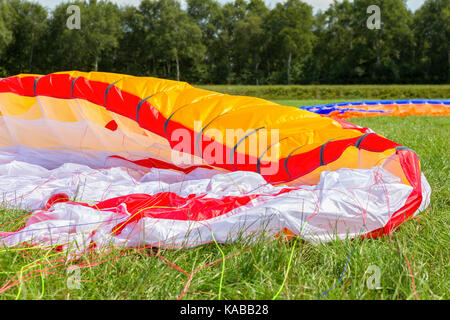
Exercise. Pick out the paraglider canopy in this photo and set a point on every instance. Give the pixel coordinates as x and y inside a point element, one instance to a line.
<point>144,160</point>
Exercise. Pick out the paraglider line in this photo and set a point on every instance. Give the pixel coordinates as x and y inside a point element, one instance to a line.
<point>223,265</point>
<point>340,278</point>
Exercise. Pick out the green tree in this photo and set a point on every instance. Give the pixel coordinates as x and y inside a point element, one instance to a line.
<point>208,16</point>
<point>383,55</point>
<point>334,30</point>
<point>6,35</point>
<point>24,27</point>
<point>249,42</point>
<point>131,56</point>
<point>243,41</point>
<point>84,48</point>
<point>349,52</point>
<point>174,36</point>
<point>291,36</point>
<point>432,33</point>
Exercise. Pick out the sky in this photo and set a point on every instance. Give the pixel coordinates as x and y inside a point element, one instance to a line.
<point>317,4</point>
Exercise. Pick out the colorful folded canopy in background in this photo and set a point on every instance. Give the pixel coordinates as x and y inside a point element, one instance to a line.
<point>413,107</point>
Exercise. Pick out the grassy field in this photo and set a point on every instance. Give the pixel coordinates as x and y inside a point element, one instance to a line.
<point>413,263</point>
<point>325,92</point>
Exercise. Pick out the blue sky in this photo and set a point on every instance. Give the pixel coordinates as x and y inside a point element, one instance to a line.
<point>317,4</point>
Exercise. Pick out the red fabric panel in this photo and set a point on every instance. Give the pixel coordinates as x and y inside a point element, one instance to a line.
<point>112,125</point>
<point>169,205</point>
<point>377,143</point>
<point>55,85</point>
<point>21,86</point>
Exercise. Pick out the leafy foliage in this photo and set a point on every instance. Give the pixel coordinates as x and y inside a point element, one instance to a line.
<point>240,42</point>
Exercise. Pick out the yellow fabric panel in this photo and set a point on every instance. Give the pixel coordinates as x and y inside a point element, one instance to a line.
<point>216,111</point>
<point>58,127</point>
<point>81,136</point>
<point>223,111</point>
<point>31,108</point>
<point>393,165</point>
<point>226,111</point>
<point>95,76</point>
<point>23,75</point>
<point>354,158</point>
<point>144,87</point>
<point>368,159</point>
<point>59,109</point>
<point>5,138</point>
<point>92,112</point>
<point>14,105</point>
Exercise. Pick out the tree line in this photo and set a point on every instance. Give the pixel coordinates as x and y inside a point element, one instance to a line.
<point>240,42</point>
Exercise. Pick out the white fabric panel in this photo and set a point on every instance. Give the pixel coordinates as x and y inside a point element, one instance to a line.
<point>29,186</point>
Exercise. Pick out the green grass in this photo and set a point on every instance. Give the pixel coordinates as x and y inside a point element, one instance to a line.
<point>301,103</point>
<point>324,92</point>
<point>258,271</point>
